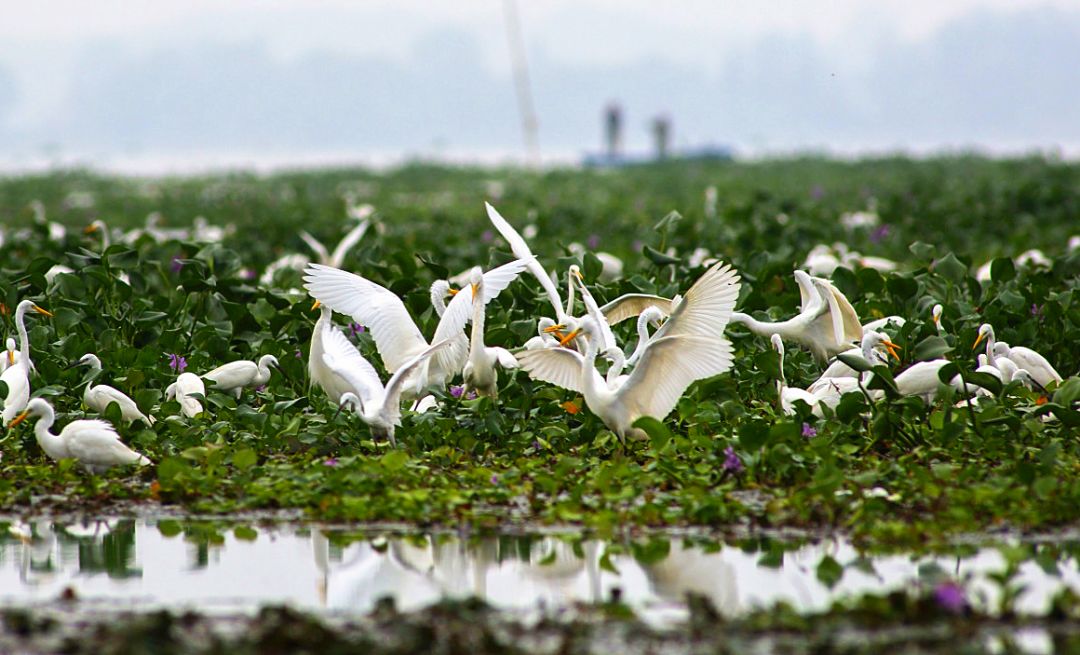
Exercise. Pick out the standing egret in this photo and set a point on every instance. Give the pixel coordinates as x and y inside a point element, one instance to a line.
<point>17,375</point>
<point>101,396</point>
<point>921,379</point>
<point>95,444</point>
<point>319,373</point>
<point>788,395</point>
<point>11,355</point>
<point>868,349</point>
<point>183,389</point>
<point>377,405</point>
<point>235,376</point>
<point>397,337</point>
<point>697,322</point>
<point>1034,363</point>
<point>479,371</point>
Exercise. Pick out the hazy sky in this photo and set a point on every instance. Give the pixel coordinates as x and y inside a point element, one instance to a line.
<point>203,79</point>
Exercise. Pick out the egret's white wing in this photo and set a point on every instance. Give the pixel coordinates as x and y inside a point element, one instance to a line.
<point>558,366</point>
<point>396,335</point>
<point>316,246</point>
<point>347,242</point>
<point>668,367</point>
<point>505,358</point>
<point>396,384</point>
<point>632,304</point>
<point>341,357</point>
<point>500,277</point>
<point>846,324</point>
<point>706,308</point>
<point>96,443</point>
<point>521,249</point>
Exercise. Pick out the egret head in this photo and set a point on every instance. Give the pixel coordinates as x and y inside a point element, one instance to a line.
<point>269,360</point>
<point>654,316</point>
<point>777,343</point>
<point>936,314</point>
<point>986,331</point>
<point>575,271</point>
<point>476,280</point>
<point>36,407</point>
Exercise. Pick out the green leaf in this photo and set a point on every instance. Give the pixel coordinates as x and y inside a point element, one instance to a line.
<point>244,459</point>
<point>1002,269</point>
<point>829,571</point>
<point>245,533</point>
<point>395,460</point>
<point>170,468</point>
<point>659,435</point>
<point>659,258</point>
<point>951,268</point>
<point>856,361</point>
<point>932,347</point>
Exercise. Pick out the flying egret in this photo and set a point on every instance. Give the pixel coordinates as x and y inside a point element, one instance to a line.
<point>17,375</point>
<point>319,373</point>
<point>377,405</point>
<point>826,323</point>
<point>95,444</point>
<point>101,396</point>
<point>183,389</point>
<point>479,371</point>
<point>788,395</point>
<point>235,376</point>
<point>347,243</point>
<point>690,346</point>
<point>1034,363</point>
<point>397,337</point>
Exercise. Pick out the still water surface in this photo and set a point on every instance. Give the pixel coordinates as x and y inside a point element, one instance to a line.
<point>146,564</point>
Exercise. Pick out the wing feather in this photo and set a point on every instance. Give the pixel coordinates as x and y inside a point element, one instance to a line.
<point>558,366</point>
<point>520,248</point>
<point>396,335</point>
<point>707,307</point>
<point>347,242</point>
<point>341,357</point>
<point>396,384</point>
<point>668,366</point>
<point>632,304</point>
<point>316,247</point>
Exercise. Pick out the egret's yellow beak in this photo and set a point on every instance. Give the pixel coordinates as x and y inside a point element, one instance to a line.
<point>11,358</point>
<point>579,275</point>
<point>317,304</point>
<point>892,348</point>
<point>937,319</point>
<point>39,310</point>
<point>475,288</point>
<point>90,229</point>
<point>452,291</point>
<point>555,328</point>
<point>570,337</point>
<point>19,419</point>
<point>982,335</point>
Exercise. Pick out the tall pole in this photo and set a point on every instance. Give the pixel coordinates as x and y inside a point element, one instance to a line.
<point>520,68</point>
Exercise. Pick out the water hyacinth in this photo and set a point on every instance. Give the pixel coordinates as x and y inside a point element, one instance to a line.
<point>880,233</point>
<point>456,390</point>
<point>732,463</point>
<point>950,597</point>
<point>808,430</point>
<point>177,362</point>
<point>355,329</point>
<point>176,264</point>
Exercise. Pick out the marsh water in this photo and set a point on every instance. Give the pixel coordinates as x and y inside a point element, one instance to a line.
<point>146,563</point>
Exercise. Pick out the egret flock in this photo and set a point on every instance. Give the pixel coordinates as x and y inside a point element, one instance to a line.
<point>680,341</point>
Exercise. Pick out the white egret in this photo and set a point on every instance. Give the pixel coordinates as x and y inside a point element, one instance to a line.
<point>319,373</point>
<point>17,375</point>
<point>868,349</point>
<point>397,337</point>
<point>440,289</point>
<point>11,355</point>
<point>611,267</point>
<point>336,258</point>
<point>921,379</point>
<point>788,395</point>
<point>95,444</point>
<point>183,389</point>
<point>101,396</point>
<point>935,313</point>
<point>882,323</point>
<point>479,371</point>
<point>377,405</point>
<point>235,376</point>
<point>1034,363</point>
<point>651,316</point>
<point>291,261</point>
<point>549,333</point>
<point>826,323</point>
<point>688,347</point>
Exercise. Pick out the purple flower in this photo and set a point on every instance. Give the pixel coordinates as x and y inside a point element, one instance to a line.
<point>494,479</point>
<point>1035,309</point>
<point>176,264</point>
<point>330,462</point>
<point>536,444</point>
<point>880,233</point>
<point>487,236</point>
<point>456,391</point>
<point>594,241</point>
<point>356,328</point>
<point>298,354</point>
<point>808,430</point>
<point>177,363</point>
<point>950,597</point>
<point>636,245</point>
<point>471,396</point>
<point>260,388</point>
<point>817,192</point>
<point>732,462</point>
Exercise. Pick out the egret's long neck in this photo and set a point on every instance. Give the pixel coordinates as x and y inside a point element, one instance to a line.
<point>476,342</point>
<point>786,329</point>
<point>990,343</point>
<point>642,338</point>
<point>570,294</point>
<point>24,340</point>
<point>781,382</point>
<point>51,443</point>
<point>618,363</point>
<point>438,298</point>
<point>105,242</point>
<point>588,367</point>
